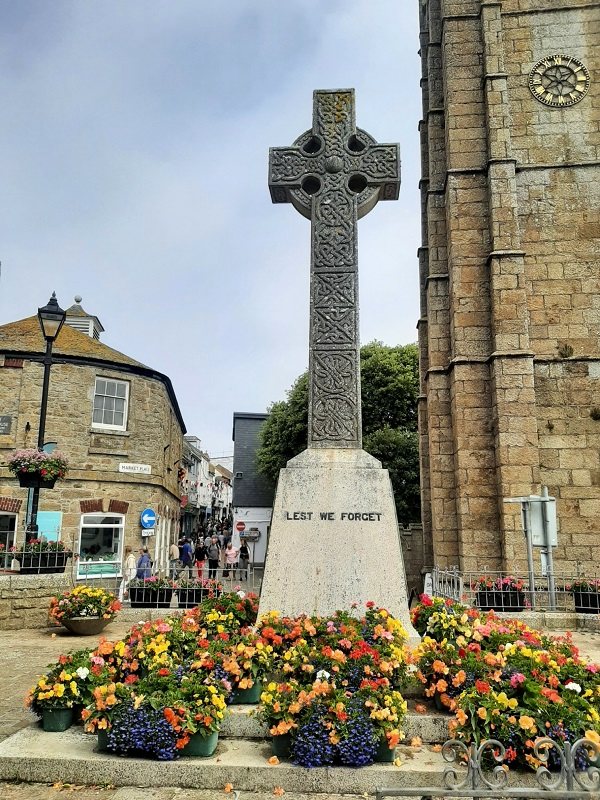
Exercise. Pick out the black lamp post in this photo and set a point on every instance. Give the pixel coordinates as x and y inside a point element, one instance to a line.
<point>51,318</point>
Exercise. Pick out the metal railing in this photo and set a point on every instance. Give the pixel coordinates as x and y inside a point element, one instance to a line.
<point>182,588</point>
<point>479,771</point>
<point>503,592</point>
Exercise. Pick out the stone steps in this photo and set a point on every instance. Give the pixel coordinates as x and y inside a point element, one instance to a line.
<point>34,756</point>
<point>432,727</point>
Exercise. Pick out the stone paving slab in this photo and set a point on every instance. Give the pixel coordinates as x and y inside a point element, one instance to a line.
<point>39,791</point>
<point>37,757</point>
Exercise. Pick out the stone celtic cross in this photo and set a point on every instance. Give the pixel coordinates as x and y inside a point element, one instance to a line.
<point>333,175</point>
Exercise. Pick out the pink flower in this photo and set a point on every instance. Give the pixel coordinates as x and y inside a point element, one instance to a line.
<point>162,627</point>
<point>97,660</point>
<point>517,679</point>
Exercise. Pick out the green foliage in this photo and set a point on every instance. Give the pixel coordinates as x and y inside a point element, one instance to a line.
<point>389,390</point>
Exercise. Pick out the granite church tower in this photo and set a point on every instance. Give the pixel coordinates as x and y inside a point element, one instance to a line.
<point>509,328</point>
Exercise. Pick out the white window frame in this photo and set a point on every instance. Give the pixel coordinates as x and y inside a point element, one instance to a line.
<point>16,516</point>
<point>102,425</point>
<point>87,575</point>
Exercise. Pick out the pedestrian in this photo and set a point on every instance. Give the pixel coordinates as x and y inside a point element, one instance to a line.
<point>187,557</point>
<point>231,560</point>
<point>213,553</point>
<point>174,560</point>
<point>129,572</point>
<point>200,558</point>
<point>144,565</point>
<point>244,560</point>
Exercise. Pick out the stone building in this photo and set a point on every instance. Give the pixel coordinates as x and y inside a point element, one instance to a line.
<point>510,282</point>
<point>120,426</point>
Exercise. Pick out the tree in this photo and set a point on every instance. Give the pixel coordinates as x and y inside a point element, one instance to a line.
<point>389,391</point>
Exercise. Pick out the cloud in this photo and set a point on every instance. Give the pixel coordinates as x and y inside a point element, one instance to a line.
<point>134,162</point>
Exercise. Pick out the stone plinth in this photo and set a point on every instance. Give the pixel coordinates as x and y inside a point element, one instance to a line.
<point>334,538</point>
<point>25,599</point>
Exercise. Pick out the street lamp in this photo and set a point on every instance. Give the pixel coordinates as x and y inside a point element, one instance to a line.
<point>51,318</point>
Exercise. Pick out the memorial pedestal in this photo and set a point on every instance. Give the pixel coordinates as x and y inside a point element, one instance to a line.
<point>334,538</point>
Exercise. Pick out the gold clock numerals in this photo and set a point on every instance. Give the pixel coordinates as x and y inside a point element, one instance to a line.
<point>559,80</point>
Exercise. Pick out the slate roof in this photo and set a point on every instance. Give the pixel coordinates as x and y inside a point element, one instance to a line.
<point>25,336</point>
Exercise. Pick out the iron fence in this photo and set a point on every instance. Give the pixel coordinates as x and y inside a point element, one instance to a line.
<point>565,772</point>
<point>503,592</point>
<point>178,587</point>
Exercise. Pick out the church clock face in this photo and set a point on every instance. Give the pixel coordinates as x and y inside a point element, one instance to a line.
<point>559,81</point>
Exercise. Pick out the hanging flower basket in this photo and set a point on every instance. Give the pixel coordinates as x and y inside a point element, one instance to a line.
<point>37,469</point>
<point>33,480</point>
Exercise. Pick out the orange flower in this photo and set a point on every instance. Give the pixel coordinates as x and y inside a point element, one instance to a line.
<point>459,678</point>
<point>420,708</point>
<point>482,712</point>
<point>439,666</point>
<point>228,788</point>
<point>273,761</point>
<point>416,741</point>
<point>278,791</point>
<point>461,716</point>
<point>527,723</point>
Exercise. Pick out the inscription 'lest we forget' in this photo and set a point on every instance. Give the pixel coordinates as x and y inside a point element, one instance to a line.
<point>332,516</point>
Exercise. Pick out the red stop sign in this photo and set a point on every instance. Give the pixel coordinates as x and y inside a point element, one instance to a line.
<point>240,526</point>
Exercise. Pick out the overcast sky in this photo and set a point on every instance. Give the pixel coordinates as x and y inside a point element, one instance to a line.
<point>133,162</point>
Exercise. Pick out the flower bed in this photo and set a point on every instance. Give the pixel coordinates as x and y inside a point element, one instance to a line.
<point>170,680</point>
<point>505,681</point>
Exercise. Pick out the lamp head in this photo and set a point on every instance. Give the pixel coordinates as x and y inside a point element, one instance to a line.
<point>51,318</point>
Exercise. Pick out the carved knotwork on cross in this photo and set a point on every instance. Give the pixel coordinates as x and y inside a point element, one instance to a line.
<point>333,175</point>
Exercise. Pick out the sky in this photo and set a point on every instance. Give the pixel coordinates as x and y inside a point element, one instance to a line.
<point>133,164</point>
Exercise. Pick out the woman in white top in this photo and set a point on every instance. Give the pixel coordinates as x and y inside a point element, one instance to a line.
<point>129,570</point>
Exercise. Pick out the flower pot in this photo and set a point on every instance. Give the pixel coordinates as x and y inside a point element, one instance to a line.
<point>33,480</point>
<point>500,599</point>
<point>57,719</point>
<point>31,563</point>
<point>85,626</point>
<point>55,561</point>
<point>200,745</point>
<point>281,745</point>
<point>487,599</point>
<point>247,696</point>
<point>102,741</point>
<point>144,597</point>
<point>190,598</point>
<point>586,602</point>
<point>437,701</point>
<point>511,600</point>
<point>384,752</point>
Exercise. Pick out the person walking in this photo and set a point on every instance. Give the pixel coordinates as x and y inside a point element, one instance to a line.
<point>174,558</point>
<point>213,553</point>
<point>129,572</point>
<point>244,560</point>
<point>231,560</point>
<point>200,558</point>
<point>144,565</point>
<point>187,558</point>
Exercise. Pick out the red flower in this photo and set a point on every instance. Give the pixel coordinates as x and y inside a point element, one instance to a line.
<point>370,604</point>
<point>482,686</point>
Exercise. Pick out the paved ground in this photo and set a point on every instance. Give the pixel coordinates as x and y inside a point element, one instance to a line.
<point>25,654</point>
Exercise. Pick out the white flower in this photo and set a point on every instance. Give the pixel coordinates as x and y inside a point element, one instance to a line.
<point>574,687</point>
<point>83,672</point>
<point>241,594</point>
<point>322,675</point>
